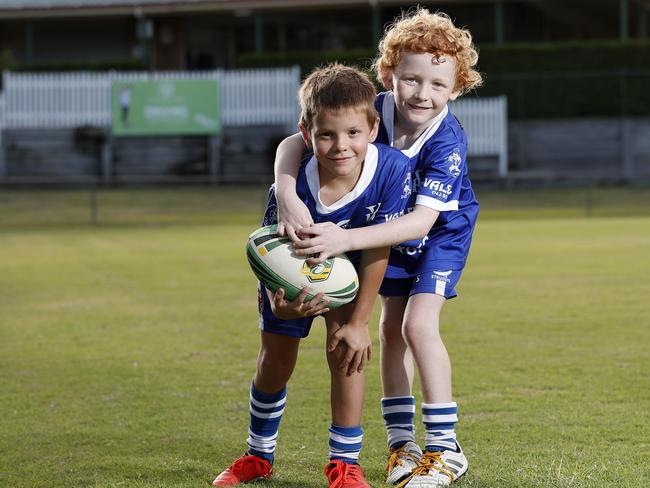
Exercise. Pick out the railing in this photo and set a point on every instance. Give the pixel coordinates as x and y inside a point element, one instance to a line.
<point>248,97</point>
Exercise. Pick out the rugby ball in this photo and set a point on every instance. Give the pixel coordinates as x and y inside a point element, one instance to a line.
<point>274,262</point>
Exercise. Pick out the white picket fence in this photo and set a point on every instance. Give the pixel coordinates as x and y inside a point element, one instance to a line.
<point>248,97</point>
<point>42,100</point>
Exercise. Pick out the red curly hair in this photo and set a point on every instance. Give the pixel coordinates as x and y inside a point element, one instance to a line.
<point>420,31</point>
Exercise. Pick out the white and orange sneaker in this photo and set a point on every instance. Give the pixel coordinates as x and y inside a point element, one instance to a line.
<point>401,462</point>
<point>437,469</point>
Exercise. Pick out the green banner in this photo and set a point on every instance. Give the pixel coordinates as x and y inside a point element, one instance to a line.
<point>165,107</point>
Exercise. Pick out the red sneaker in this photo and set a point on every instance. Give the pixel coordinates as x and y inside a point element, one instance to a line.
<point>344,475</point>
<point>246,468</point>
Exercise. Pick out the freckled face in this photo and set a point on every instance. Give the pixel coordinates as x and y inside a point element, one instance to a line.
<point>422,86</point>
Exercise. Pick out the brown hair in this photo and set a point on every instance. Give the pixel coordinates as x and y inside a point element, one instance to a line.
<point>335,87</point>
<point>420,31</point>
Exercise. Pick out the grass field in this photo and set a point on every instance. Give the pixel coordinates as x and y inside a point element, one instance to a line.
<point>127,347</point>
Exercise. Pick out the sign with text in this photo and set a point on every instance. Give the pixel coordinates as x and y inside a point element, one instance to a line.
<point>165,107</point>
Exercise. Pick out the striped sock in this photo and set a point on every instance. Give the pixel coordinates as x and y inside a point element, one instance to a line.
<point>266,412</point>
<point>399,415</point>
<point>439,424</point>
<point>345,443</point>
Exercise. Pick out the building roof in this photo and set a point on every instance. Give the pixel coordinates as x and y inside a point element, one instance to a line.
<point>77,8</point>
<point>22,9</point>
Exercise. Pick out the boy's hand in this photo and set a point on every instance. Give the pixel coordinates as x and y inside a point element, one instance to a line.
<point>293,215</point>
<point>298,308</point>
<point>325,239</point>
<point>359,346</point>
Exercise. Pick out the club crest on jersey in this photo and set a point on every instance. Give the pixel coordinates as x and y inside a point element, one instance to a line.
<point>318,272</point>
<point>406,191</point>
<point>454,160</point>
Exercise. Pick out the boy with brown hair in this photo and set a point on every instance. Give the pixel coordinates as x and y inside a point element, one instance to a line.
<point>351,183</point>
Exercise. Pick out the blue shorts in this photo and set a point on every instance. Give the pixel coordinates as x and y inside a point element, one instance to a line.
<point>270,323</point>
<point>438,282</point>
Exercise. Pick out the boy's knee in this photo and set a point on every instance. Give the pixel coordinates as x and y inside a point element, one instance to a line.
<point>391,333</point>
<point>415,332</point>
<point>274,365</point>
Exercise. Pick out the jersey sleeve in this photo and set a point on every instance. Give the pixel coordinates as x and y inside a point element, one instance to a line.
<point>396,190</point>
<point>439,175</point>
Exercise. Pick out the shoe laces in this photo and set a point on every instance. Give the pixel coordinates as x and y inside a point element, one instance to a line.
<point>432,461</point>
<point>396,457</point>
<point>341,472</point>
<point>261,466</point>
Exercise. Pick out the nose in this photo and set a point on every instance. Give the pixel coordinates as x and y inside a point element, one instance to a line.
<point>420,93</point>
<point>341,144</point>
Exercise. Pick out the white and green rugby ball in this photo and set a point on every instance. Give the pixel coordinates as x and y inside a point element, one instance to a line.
<point>276,265</point>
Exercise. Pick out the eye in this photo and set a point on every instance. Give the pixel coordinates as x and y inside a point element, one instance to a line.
<point>354,132</point>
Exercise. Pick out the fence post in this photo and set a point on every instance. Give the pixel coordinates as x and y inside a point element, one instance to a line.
<point>626,150</point>
<point>3,165</point>
<point>503,151</point>
<point>106,160</point>
<point>214,157</point>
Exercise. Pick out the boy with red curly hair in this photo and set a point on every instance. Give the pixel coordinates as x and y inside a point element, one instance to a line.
<point>424,62</point>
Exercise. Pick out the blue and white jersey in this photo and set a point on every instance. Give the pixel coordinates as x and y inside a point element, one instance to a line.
<point>380,195</point>
<point>440,181</point>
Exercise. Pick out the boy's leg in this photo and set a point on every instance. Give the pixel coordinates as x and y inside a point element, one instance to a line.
<point>443,460</point>
<point>346,434</point>
<point>275,363</point>
<point>422,334</point>
<point>398,404</point>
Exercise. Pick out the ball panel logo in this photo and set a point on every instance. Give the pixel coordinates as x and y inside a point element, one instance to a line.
<point>318,272</point>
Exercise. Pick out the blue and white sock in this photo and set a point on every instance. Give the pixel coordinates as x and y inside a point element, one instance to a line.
<point>439,424</point>
<point>345,443</point>
<point>266,412</point>
<point>399,417</point>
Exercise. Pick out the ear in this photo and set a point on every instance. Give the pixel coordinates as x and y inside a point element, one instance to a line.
<point>374,130</point>
<point>454,95</point>
<point>305,135</point>
<point>387,81</point>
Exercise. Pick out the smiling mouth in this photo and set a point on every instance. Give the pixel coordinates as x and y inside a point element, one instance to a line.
<point>341,160</point>
<point>416,107</point>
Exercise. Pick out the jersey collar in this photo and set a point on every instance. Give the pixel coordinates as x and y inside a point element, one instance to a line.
<point>367,174</point>
<point>388,117</point>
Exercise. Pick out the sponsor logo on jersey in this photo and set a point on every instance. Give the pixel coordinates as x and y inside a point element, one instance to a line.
<point>389,217</point>
<point>318,272</point>
<point>442,276</point>
<point>454,161</point>
<point>438,188</point>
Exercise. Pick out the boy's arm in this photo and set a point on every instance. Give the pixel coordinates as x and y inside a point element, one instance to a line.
<point>292,212</point>
<point>327,239</point>
<point>354,333</point>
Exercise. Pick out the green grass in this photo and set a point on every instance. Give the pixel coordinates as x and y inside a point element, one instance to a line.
<point>127,348</point>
